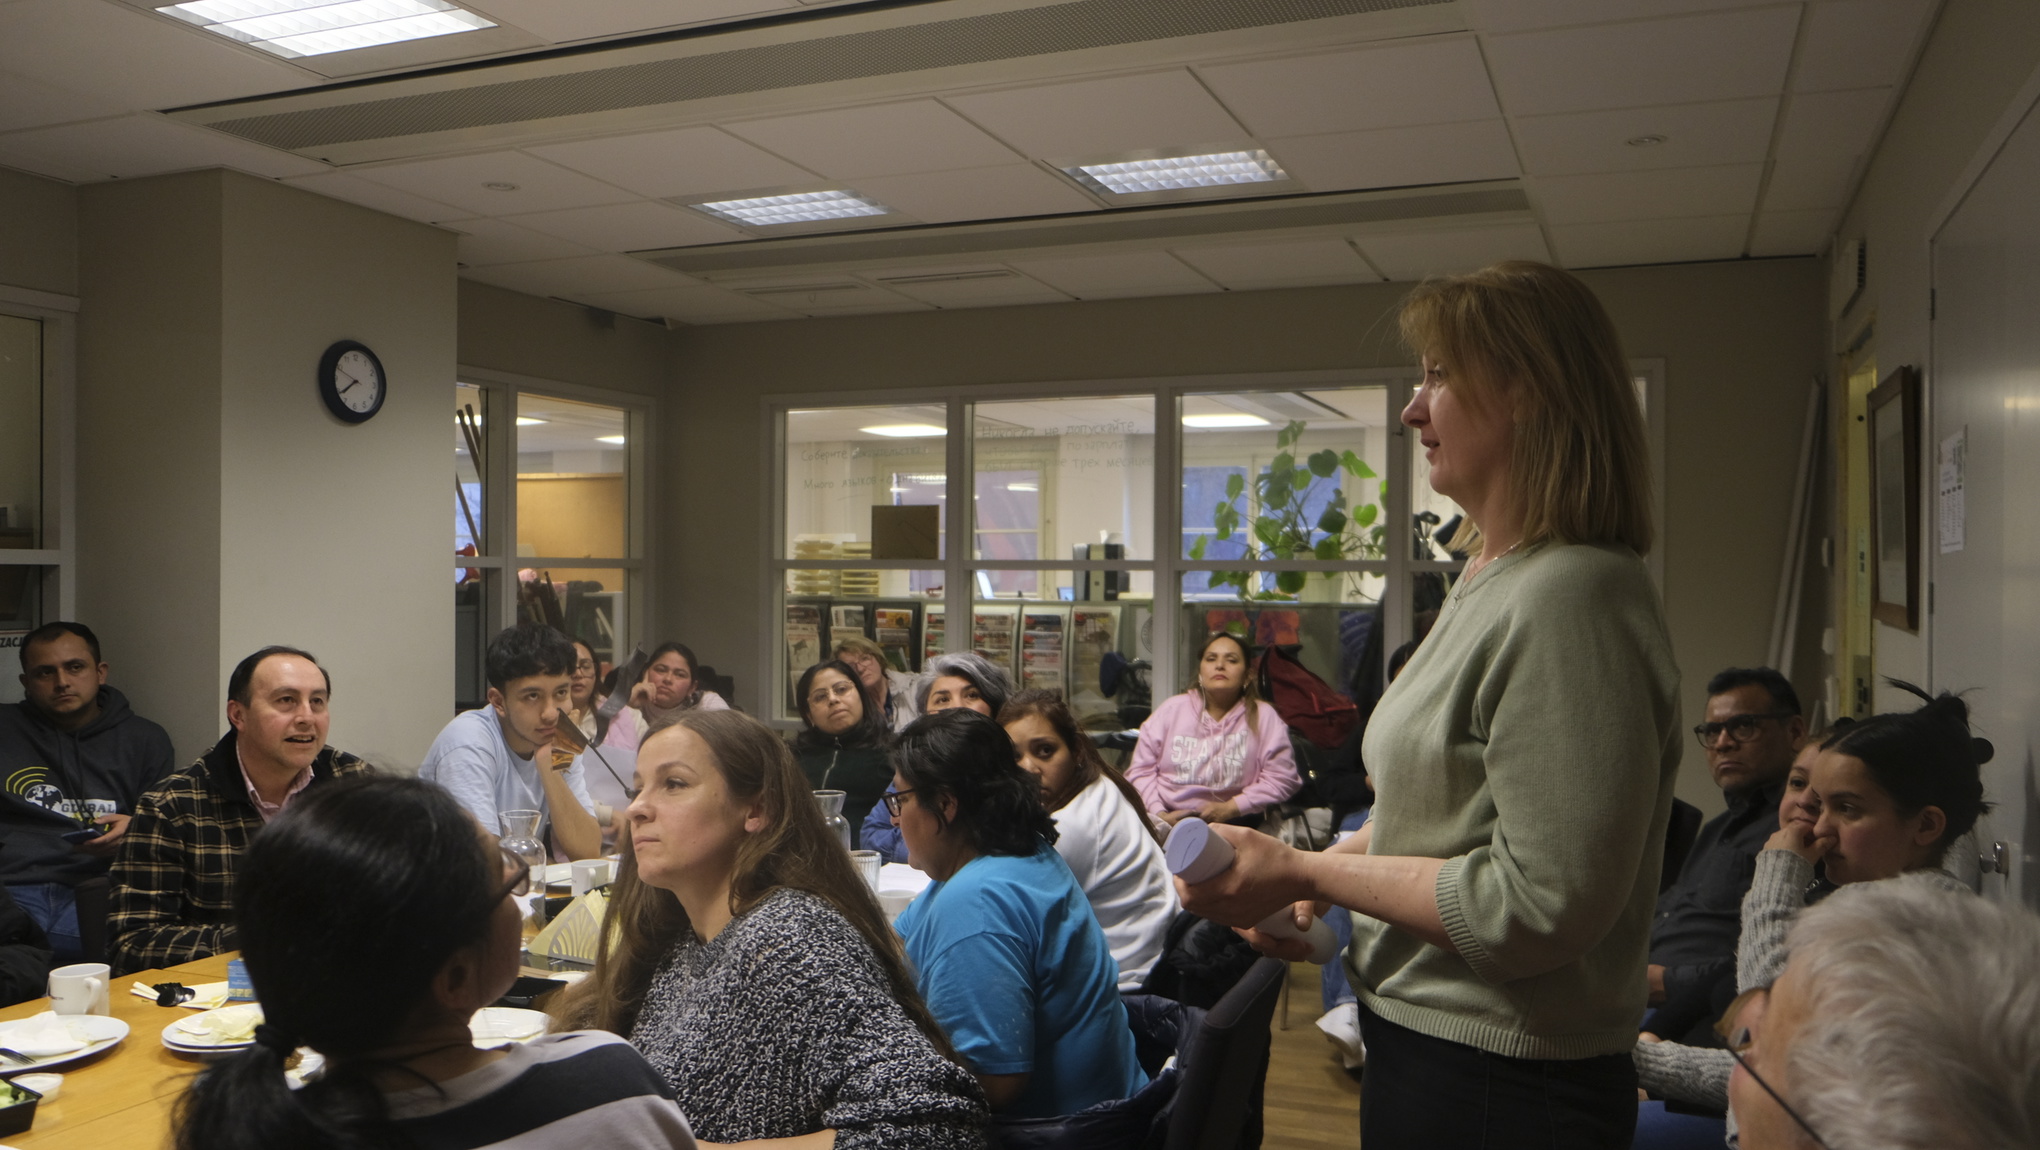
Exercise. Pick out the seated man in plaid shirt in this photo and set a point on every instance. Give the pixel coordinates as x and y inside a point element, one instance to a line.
<point>173,881</point>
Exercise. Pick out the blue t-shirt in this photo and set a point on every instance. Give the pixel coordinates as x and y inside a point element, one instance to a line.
<point>1015,967</point>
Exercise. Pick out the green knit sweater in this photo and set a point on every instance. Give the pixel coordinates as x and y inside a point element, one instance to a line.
<point>1532,742</point>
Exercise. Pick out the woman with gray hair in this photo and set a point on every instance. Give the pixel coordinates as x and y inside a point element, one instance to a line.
<point>1905,1020</point>
<point>959,679</point>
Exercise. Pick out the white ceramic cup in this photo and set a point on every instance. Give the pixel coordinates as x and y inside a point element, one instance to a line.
<point>895,900</point>
<point>80,989</point>
<point>589,874</point>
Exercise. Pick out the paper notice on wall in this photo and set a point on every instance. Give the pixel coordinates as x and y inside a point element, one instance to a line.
<point>803,640</point>
<point>1952,506</point>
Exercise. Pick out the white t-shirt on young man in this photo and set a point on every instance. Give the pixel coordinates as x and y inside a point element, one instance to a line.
<point>470,759</point>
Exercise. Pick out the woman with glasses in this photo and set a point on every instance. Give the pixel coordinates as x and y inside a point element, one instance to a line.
<point>375,918</point>
<point>1005,946</point>
<point>843,739</point>
<point>1525,757</point>
<point>753,967</point>
<point>893,690</point>
<point>581,696</point>
<point>1888,795</point>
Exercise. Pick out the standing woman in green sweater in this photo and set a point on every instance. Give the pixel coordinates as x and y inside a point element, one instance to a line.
<point>1524,759</point>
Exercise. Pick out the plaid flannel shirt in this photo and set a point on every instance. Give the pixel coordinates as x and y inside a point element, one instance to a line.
<point>173,881</point>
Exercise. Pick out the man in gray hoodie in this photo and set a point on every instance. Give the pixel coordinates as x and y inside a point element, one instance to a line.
<point>73,760</point>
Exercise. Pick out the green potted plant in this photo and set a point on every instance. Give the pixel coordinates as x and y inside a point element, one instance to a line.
<point>1280,526</point>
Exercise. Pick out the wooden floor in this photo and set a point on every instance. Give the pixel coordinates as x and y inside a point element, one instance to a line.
<point>1311,1101</point>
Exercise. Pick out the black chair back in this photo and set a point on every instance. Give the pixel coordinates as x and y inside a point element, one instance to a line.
<point>92,896</point>
<point>1680,832</point>
<point>1224,1066</point>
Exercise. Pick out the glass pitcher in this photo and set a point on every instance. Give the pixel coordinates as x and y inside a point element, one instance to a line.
<point>832,814</point>
<point>520,838</point>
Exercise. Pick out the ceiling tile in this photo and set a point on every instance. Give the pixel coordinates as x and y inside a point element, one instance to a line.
<point>1650,241</point>
<point>1415,255</point>
<point>1695,135</point>
<point>30,103</point>
<point>1819,180</point>
<point>882,140</point>
<point>1399,157</point>
<point>584,19</point>
<point>1832,123</point>
<point>142,145</point>
<point>1289,263</point>
<point>977,194</point>
<point>132,59</point>
<point>1412,82</point>
<point>1800,233</point>
<point>1517,15</point>
<point>1859,43</point>
<point>460,180</point>
<point>1650,195</point>
<point>690,303</point>
<point>1008,288</point>
<point>630,227</point>
<point>341,186</point>
<point>1117,275</point>
<point>1687,59</point>
<point>582,275</point>
<point>832,295</point>
<point>684,162</point>
<point>484,242</point>
<point>1086,118</point>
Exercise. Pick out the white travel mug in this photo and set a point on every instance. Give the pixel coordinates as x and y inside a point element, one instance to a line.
<point>81,989</point>
<point>1195,854</point>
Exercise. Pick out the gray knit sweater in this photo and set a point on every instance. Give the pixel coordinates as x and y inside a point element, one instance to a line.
<point>783,1025</point>
<point>1778,889</point>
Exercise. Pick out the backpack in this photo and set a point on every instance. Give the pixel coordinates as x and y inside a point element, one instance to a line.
<point>1307,703</point>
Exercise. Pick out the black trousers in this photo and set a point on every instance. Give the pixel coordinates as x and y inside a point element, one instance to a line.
<point>1425,1093</point>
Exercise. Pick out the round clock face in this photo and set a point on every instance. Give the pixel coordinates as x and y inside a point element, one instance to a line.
<point>351,381</point>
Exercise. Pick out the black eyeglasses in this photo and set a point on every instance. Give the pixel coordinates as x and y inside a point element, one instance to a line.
<point>1741,728</point>
<point>896,801</point>
<point>1739,1040</point>
<point>519,886</point>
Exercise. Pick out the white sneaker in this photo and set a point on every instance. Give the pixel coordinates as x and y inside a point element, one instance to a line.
<point>1342,1026</point>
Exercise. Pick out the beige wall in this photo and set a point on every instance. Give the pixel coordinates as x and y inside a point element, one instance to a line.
<point>1741,342</point>
<point>221,507</point>
<point>546,339</point>
<point>38,233</point>
<point>1979,54</point>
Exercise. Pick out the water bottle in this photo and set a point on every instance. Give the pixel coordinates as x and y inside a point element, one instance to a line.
<point>520,838</point>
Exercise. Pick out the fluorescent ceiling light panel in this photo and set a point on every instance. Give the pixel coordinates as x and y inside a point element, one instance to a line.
<point>905,431</point>
<point>1179,172</point>
<point>793,208</point>
<point>609,439</point>
<point>1229,419</point>
<point>291,28</point>
<point>1023,487</point>
<point>527,421</point>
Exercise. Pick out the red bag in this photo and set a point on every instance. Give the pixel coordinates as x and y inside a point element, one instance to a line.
<point>1307,703</point>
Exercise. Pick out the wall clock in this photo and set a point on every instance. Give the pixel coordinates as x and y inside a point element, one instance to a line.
<point>351,381</point>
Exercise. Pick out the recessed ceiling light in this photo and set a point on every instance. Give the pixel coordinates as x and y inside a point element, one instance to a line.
<point>1173,174</point>
<point>527,421</point>
<point>905,430</point>
<point>1023,487</point>
<point>500,186</point>
<point>793,208</point>
<point>1644,141</point>
<point>291,28</point>
<point>618,439</point>
<point>1227,419</point>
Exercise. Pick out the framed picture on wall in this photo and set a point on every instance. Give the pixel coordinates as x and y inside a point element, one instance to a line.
<point>1894,426</point>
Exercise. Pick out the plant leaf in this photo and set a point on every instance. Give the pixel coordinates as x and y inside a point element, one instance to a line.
<point>1328,548</point>
<point>1332,522</point>
<point>1197,547</point>
<point>1324,463</point>
<point>1365,514</point>
<point>1283,464</point>
<point>1357,467</point>
<point>1268,531</point>
<point>1234,485</point>
<point>1289,581</point>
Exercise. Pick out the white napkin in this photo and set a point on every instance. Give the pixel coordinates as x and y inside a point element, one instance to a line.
<point>204,996</point>
<point>43,1036</point>
<point>228,1026</point>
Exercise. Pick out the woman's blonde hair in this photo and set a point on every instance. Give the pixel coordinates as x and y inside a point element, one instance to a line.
<point>1531,337</point>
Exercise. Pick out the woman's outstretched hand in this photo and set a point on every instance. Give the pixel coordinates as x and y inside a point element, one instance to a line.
<point>1265,876</point>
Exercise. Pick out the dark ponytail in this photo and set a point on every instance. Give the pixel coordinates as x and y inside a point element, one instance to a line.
<point>1924,758</point>
<point>388,874</point>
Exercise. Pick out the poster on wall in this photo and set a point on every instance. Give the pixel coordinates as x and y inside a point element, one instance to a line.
<point>845,621</point>
<point>895,635</point>
<point>803,640</point>
<point>931,632</point>
<point>1953,514</point>
<point>1043,644</point>
<point>991,633</point>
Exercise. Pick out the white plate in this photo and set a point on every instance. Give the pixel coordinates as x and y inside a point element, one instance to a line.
<point>496,1024</point>
<point>559,874</point>
<point>187,1035</point>
<point>99,1032</point>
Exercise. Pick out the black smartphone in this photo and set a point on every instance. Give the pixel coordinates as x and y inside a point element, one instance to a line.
<point>527,990</point>
<point>84,834</point>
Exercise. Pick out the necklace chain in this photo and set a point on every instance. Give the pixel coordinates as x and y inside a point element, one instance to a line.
<point>1477,570</point>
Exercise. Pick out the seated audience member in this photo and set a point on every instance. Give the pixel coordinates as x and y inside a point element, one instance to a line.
<point>24,955</point>
<point>1753,729</point>
<point>582,697</point>
<point>752,966</point>
<point>1893,791</point>
<point>1005,946</point>
<point>173,880</point>
<point>499,757</point>
<point>390,879</point>
<point>1102,831</point>
<point>668,687</point>
<point>75,759</point>
<point>1904,1020</point>
<point>960,679</point>
<point>1215,751</point>
<point>843,740</point>
<point>893,690</point>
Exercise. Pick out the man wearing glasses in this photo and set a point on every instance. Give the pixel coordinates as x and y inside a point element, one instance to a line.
<point>1752,730</point>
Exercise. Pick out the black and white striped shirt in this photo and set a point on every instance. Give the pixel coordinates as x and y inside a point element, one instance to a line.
<point>558,1092</point>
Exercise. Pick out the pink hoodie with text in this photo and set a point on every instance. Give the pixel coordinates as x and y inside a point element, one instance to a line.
<point>1186,758</point>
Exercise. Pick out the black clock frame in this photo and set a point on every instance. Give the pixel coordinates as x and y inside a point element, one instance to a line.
<point>329,382</point>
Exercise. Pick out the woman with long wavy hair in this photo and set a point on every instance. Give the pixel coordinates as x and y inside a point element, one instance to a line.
<point>753,967</point>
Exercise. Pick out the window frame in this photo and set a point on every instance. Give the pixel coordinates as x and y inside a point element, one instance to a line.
<point>57,515</point>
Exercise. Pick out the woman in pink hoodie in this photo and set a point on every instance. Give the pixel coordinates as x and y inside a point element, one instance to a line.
<point>1215,751</point>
